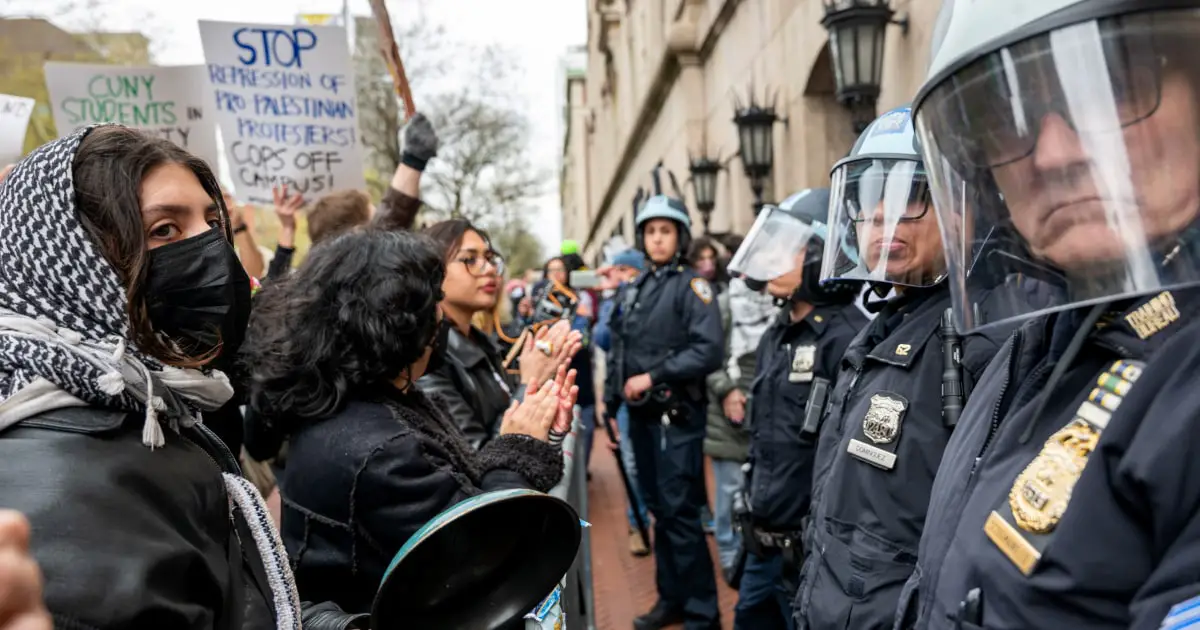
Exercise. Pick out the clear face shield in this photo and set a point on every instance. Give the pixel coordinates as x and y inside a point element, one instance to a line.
<point>880,214</point>
<point>772,245</point>
<point>1065,168</point>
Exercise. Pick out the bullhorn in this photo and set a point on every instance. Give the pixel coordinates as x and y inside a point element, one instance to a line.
<point>483,563</point>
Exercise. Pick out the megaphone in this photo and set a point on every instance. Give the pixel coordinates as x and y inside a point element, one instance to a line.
<point>483,563</point>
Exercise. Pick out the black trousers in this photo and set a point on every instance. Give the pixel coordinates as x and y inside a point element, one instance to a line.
<point>670,465</point>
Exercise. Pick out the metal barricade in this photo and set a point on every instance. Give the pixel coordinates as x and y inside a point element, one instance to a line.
<point>577,596</point>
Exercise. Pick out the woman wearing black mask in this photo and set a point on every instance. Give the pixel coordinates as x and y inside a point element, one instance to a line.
<point>118,290</point>
<point>334,353</point>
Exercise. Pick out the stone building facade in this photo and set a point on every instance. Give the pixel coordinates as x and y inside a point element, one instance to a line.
<point>661,83</point>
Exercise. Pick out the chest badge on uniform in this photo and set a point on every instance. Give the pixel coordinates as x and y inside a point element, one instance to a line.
<point>881,425</point>
<point>1039,497</point>
<point>803,362</point>
<point>1042,491</point>
<point>702,289</point>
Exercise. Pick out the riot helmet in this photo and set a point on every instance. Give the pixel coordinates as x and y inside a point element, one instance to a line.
<point>880,211</point>
<point>664,207</point>
<point>1065,133</point>
<point>791,239</point>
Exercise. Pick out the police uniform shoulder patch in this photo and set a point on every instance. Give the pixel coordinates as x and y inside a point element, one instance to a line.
<point>702,289</point>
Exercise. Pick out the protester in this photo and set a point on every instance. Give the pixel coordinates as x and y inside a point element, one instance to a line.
<point>118,268</point>
<point>472,381</point>
<point>371,458</point>
<point>21,606</point>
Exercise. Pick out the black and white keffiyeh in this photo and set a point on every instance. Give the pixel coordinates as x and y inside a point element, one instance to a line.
<point>63,323</point>
<point>64,337</point>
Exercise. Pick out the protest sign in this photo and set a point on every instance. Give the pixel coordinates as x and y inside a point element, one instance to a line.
<point>14,118</point>
<point>169,102</point>
<point>286,106</point>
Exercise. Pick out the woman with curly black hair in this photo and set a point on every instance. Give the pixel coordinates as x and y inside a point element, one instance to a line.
<point>334,353</point>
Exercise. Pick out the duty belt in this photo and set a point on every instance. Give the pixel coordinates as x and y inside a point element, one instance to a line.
<point>777,540</point>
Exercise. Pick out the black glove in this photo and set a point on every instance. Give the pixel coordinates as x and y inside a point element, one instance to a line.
<point>420,142</point>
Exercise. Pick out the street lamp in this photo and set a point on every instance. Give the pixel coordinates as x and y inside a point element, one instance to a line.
<point>756,139</point>
<point>856,36</point>
<point>704,185</point>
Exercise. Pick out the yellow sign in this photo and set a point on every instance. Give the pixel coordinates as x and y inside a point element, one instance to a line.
<point>318,19</point>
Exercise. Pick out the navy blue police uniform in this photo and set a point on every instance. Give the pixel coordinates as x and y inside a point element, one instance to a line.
<point>669,327</point>
<point>880,447</point>
<point>1038,483</point>
<point>793,358</point>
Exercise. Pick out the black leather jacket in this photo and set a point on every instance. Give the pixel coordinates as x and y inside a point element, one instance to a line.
<point>360,484</point>
<point>474,386</point>
<point>129,537</point>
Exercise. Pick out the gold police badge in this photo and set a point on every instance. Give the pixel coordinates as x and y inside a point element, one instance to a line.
<point>1040,496</point>
<point>882,423</point>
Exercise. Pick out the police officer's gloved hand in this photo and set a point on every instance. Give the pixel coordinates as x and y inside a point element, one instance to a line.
<point>419,141</point>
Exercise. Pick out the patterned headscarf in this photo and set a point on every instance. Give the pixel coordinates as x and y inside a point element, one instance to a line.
<point>64,331</point>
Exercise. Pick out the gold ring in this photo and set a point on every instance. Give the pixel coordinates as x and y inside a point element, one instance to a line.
<point>546,347</point>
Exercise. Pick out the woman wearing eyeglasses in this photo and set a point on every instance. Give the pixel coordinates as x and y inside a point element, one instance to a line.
<point>472,381</point>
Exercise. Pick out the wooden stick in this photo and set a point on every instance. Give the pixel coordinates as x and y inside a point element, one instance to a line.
<point>391,56</point>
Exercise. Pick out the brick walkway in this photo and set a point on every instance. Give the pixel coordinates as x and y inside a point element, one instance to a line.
<point>624,585</point>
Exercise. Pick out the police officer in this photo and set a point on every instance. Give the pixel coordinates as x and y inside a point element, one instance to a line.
<point>668,338</point>
<point>797,362</point>
<point>883,437</point>
<point>1069,496</point>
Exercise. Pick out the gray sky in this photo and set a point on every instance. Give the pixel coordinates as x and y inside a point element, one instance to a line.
<point>538,32</point>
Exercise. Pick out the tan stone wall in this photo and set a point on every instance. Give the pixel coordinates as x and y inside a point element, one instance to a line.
<point>676,67</point>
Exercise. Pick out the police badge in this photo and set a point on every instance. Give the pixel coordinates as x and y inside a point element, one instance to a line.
<point>802,364</point>
<point>881,425</point>
<point>882,422</point>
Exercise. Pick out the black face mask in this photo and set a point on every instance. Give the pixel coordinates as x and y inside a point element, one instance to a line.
<point>441,342</point>
<point>198,294</point>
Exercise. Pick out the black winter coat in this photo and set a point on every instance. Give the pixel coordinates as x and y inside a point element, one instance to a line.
<point>360,484</point>
<point>131,538</point>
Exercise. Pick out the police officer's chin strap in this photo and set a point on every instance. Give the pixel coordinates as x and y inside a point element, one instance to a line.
<point>880,290</point>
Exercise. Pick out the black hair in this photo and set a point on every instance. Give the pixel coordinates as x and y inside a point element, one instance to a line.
<point>361,309</point>
<point>449,235</point>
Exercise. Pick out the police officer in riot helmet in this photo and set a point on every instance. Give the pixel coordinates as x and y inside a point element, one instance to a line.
<point>1069,496</point>
<point>886,425</point>
<point>666,340</point>
<point>797,362</point>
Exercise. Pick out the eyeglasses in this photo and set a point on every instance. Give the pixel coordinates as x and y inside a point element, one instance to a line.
<point>477,263</point>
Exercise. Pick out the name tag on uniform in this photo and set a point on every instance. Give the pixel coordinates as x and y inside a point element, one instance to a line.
<point>881,428</point>
<point>803,362</point>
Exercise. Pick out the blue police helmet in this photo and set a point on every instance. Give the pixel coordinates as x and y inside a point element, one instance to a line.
<point>664,207</point>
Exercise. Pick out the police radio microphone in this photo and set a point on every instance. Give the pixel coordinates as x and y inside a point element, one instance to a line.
<point>953,397</point>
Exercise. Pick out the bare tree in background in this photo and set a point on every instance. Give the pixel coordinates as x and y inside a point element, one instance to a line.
<point>483,172</point>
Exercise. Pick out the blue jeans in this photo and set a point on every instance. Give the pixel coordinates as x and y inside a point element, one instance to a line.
<point>763,600</point>
<point>630,462</point>
<point>727,474</point>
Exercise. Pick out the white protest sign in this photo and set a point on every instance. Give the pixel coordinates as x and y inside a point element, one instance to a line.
<point>286,106</point>
<point>14,119</point>
<point>168,101</point>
